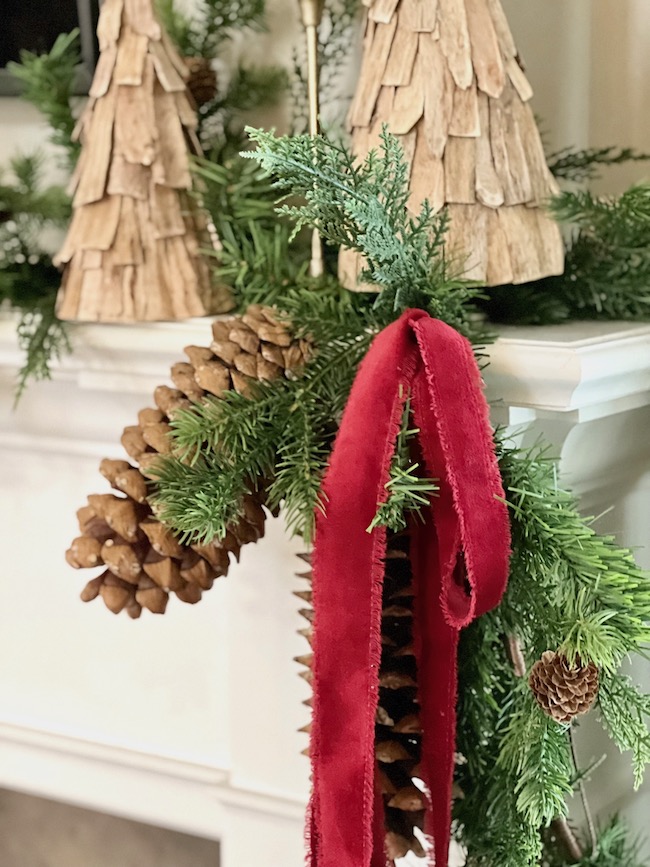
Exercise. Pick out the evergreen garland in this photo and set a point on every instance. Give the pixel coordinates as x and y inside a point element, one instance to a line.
<point>28,279</point>
<point>49,84</point>
<point>570,588</point>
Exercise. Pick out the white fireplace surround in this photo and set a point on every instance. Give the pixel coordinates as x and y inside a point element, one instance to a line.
<point>190,721</point>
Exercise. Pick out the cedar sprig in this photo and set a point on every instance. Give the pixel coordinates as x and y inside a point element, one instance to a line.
<point>362,205</point>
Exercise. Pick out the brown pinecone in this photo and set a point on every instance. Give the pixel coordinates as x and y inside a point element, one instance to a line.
<point>563,691</point>
<point>398,733</point>
<point>202,79</point>
<point>141,560</point>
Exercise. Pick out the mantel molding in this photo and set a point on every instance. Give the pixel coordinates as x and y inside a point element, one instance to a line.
<point>588,368</point>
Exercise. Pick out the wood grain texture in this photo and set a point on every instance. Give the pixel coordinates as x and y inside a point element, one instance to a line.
<point>446,78</point>
<point>132,250</point>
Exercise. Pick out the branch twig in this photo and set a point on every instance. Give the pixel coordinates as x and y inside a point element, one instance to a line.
<point>593,837</point>
<point>566,835</point>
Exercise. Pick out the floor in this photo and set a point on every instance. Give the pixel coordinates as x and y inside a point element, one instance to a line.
<point>35,832</point>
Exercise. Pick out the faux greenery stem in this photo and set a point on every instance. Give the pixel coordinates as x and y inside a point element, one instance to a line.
<point>593,836</point>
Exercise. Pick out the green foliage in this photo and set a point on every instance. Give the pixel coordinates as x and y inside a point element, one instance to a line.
<point>407,491</point>
<point>625,712</point>
<point>214,23</point>
<point>569,587</point>
<point>43,337</point>
<point>206,494</point>
<point>363,206</point>
<point>28,280</point>
<point>608,250</point>
<point>259,258</point>
<point>585,164</point>
<point>49,83</point>
<point>204,34</point>
<point>24,200</point>
<point>488,821</point>
<point>221,124</point>
<point>536,752</point>
<point>608,260</point>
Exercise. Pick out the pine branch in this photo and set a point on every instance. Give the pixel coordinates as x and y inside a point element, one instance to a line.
<point>607,272</point>
<point>626,712</point>
<point>49,81</point>
<point>28,280</point>
<point>200,500</point>
<point>488,821</point>
<point>407,491</point>
<point>568,585</point>
<point>44,338</point>
<point>579,165</point>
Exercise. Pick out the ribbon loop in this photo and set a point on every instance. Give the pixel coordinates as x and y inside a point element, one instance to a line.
<point>459,558</point>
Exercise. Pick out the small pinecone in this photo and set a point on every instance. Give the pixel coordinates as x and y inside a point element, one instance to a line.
<point>202,79</point>
<point>398,733</point>
<point>561,690</point>
<point>141,561</point>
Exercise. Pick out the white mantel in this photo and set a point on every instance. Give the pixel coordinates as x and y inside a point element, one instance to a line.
<point>189,721</point>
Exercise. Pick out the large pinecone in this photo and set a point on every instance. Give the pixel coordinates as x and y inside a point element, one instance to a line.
<point>142,562</point>
<point>563,691</point>
<point>398,733</point>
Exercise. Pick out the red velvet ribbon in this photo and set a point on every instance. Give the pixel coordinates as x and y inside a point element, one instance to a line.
<point>459,558</point>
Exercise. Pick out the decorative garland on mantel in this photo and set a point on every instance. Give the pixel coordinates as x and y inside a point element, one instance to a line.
<point>576,604</point>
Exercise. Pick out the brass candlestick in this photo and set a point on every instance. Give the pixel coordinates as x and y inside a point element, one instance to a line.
<point>311,12</point>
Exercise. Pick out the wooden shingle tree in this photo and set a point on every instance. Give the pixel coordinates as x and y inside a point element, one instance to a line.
<point>445,76</point>
<point>133,248</point>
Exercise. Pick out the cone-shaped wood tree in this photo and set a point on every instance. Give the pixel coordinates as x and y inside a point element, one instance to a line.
<point>133,247</point>
<point>444,75</point>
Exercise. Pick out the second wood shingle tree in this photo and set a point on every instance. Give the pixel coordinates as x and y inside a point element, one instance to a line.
<point>133,249</point>
<point>445,76</point>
